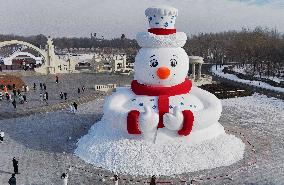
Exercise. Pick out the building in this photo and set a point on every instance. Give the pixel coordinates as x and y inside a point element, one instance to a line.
<point>198,79</point>
<point>51,63</point>
<point>111,63</point>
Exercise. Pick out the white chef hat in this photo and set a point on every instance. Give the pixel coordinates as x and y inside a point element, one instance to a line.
<point>161,32</point>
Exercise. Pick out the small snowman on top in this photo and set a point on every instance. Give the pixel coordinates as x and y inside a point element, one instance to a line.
<point>159,99</point>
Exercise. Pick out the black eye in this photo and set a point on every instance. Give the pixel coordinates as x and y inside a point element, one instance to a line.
<point>173,62</point>
<point>154,63</point>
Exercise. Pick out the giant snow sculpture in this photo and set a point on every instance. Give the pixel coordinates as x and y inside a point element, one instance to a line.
<point>161,119</point>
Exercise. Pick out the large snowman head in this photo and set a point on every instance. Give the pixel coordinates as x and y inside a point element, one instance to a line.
<point>161,61</point>
<point>161,66</point>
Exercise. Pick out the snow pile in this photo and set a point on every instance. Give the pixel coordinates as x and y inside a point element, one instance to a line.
<point>137,157</point>
<point>260,84</point>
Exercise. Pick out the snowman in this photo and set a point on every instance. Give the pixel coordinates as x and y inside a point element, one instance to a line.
<point>161,105</point>
<point>161,124</point>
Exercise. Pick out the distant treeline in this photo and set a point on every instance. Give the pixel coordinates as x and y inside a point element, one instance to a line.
<point>262,49</point>
<point>238,46</point>
<point>259,47</point>
<point>82,42</point>
<point>37,40</point>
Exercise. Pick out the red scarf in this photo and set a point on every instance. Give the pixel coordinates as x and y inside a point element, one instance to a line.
<point>141,89</point>
<point>163,94</point>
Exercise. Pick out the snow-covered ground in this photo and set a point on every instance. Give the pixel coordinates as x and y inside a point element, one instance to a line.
<point>39,142</point>
<point>239,70</point>
<point>260,84</point>
<point>275,79</point>
<point>79,57</point>
<point>242,70</point>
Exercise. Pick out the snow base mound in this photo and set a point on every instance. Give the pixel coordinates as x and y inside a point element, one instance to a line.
<point>139,157</point>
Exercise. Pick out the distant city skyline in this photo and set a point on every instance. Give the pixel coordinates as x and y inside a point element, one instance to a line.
<point>111,18</point>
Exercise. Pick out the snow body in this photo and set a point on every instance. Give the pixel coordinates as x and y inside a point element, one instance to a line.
<point>205,106</point>
<point>206,110</point>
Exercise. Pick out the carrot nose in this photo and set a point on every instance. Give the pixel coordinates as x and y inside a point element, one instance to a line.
<point>163,72</point>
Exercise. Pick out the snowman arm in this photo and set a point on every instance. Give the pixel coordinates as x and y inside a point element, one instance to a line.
<point>211,112</point>
<point>114,110</point>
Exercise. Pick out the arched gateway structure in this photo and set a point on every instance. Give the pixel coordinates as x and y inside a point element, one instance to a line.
<point>8,60</point>
<point>52,63</point>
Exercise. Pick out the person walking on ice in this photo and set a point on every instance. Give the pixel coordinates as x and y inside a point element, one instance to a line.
<point>56,79</point>
<point>153,180</point>
<point>25,98</point>
<point>45,98</point>
<point>75,105</point>
<point>72,109</point>
<point>79,91</point>
<point>65,95</point>
<point>14,103</point>
<point>61,95</point>
<point>7,96</point>
<point>1,136</point>
<point>64,178</point>
<point>15,165</point>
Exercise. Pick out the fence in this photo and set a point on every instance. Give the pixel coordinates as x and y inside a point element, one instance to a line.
<point>105,88</point>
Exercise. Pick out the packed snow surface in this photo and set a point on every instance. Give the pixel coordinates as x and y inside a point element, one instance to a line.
<point>219,72</point>
<point>273,78</point>
<point>113,152</point>
<point>39,140</point>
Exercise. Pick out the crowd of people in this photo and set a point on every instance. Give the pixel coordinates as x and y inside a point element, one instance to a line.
<point>15,94</point>
<point>43,95</point>
<point>65,176</point>
<point>20,96</point>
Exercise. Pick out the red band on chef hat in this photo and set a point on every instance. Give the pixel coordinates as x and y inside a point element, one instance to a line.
<point>162,31</point>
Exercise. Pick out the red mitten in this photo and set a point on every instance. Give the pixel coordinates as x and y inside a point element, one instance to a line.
<point>132,122</point>
<point>188,119</point>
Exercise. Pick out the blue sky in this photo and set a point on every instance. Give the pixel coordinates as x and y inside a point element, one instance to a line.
<point>111,18</point>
